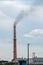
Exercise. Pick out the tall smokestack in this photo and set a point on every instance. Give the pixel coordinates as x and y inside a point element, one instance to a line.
<point>15,52</point>
<point>19,17</point>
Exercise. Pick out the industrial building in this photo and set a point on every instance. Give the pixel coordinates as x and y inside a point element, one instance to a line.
<point>32,61</point>
<point>37,61</point>
<point>21,61</point>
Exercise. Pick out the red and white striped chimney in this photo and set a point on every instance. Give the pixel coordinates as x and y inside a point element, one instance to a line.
<point>15,52</point>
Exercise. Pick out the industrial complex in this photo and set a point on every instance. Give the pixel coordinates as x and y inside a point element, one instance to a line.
<point>21,61</point>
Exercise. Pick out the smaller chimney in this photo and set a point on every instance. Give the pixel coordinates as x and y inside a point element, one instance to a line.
<point>28,53</point>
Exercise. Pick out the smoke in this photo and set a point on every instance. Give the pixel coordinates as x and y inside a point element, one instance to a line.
<point>23,13</point>
<point>19,17</point>
<point>28,9</point>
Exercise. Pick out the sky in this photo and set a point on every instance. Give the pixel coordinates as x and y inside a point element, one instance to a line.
<point>28,30</point>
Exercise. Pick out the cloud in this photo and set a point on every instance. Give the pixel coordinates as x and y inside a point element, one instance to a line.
<point>16,4</point>
<point>34,33</point>
<point>38,2</point>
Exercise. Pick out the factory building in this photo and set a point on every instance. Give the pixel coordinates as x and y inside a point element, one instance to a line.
<point>32,61</point>
<point>37,61</point>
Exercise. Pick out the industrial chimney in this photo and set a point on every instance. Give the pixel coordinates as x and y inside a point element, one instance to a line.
<point>15,52</point>
<point>19,17</point>
<point>28,54</point>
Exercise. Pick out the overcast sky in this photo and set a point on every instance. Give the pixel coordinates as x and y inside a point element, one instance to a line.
<point>29,29</point>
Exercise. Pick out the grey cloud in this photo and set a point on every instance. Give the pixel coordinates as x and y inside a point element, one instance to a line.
<point>37,2</point>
